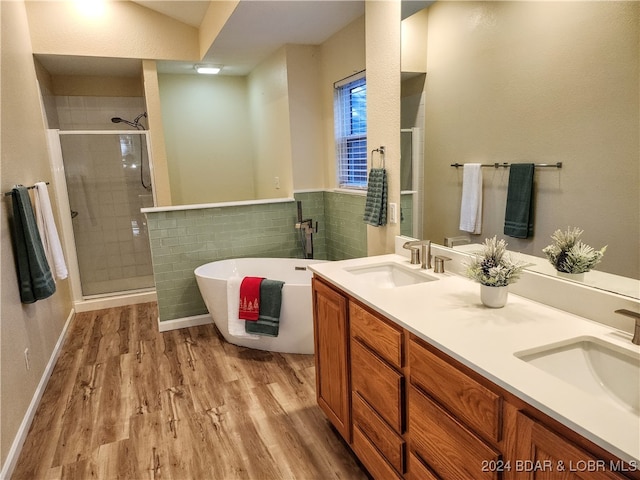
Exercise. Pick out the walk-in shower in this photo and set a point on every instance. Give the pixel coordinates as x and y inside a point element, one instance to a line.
<point>108,180</point>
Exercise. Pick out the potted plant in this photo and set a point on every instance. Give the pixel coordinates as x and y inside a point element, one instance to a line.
<point>570,256</point>
<point>494,270</point>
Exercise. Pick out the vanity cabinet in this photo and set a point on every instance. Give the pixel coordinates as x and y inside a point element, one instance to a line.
<point>455,423</point>
<point>553,456</point>
<point>410,411</point>
<point>331,337</point>
<point>377,392</point>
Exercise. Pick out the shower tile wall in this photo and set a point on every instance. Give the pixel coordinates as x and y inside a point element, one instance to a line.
<point>109,229</point>
<point>406,214</point>
<point>95,113</point>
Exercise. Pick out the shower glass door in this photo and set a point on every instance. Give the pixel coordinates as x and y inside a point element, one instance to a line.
<point>108,182</point>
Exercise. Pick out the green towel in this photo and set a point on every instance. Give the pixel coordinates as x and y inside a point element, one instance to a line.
<point>268,322</point>
<point>375,210</point>
<point>518,218</point>
<point>34,275</point>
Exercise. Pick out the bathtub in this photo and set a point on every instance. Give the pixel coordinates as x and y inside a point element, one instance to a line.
<point>219,284</point>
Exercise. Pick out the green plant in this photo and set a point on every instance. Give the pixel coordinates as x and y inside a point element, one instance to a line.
<point>569,254</point>
<point>492,266</point>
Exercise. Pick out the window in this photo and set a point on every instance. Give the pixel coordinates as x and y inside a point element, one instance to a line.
<point>350,112</point>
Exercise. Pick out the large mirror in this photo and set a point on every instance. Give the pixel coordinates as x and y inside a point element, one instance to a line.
<point>540,82</point>
<point>537,82</point>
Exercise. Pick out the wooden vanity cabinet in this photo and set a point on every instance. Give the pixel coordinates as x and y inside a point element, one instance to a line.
<point>409,410</point>
<point>331,337</point>
<point>551,456</point>
<point>377,392</point>
<point>455,422</point>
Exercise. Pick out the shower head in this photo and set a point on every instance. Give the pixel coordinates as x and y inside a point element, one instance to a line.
<point>136,121</point>
<point>121,120</point>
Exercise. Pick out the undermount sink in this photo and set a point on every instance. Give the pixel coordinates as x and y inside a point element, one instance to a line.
<point>390,275</point>
<point>593,365</point>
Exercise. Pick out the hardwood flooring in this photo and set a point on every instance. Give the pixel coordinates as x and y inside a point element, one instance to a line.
<point>125,401</point>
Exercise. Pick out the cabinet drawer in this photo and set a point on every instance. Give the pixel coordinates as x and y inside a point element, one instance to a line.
<point>418,470</point>
<point>471,402</point>
<point>381,337</point>
<point>377,466</point>
<point>450,450</point>
<point>388,442</point>
<point>379,384</point>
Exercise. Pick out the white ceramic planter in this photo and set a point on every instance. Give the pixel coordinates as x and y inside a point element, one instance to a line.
<point>494,297</point>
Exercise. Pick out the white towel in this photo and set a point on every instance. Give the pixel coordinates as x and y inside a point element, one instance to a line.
<point>471,208</point>
<point>235,325</point>
<point>49,232</point>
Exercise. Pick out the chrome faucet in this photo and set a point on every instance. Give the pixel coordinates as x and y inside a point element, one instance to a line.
<point>636,331</point>
<point>415,246</point>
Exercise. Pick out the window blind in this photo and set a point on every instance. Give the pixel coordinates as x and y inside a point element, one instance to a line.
<point>350,111</point>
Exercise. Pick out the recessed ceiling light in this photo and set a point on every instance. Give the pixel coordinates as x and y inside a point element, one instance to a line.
<point>208,69</point>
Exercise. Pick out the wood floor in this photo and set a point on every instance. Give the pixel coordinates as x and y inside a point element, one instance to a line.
<point>126,401</point>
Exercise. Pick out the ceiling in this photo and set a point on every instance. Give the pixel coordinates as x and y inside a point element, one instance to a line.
<point>255,30</point>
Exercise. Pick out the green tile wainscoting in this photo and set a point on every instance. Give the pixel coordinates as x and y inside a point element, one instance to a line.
<point>182,240</point>
<point>406,214</point>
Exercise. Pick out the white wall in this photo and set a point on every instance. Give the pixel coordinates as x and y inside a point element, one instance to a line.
<point>538,82</point>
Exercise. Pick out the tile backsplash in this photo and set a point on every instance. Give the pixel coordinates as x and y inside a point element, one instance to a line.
<point>182,240</point>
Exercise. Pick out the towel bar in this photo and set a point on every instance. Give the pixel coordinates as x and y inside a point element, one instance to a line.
<point>7,194</point>
<point>507,165</point>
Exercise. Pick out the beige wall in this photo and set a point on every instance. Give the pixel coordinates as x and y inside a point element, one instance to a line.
<point>538,82</point>
<point>413,35</point>
<point>24,159</point>
<point>160,171</point>
<point>124,30</point>
<point>383,107</point>
<point>341,55</point>
<point>305,113</point>
<point>208,138</point>
<point>270,131</point>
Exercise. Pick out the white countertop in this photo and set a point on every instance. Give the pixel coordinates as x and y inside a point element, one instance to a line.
<point>449,315</point>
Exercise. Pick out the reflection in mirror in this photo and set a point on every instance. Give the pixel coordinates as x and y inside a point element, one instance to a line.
<point>496,92</point>
<point>628,287</point>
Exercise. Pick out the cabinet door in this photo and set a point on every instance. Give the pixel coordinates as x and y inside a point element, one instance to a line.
<point>331,336</point>
<point>450,450</point>
<point>379,384</point>
<point>544,455</point>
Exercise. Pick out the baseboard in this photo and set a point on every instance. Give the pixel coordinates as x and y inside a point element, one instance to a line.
<point>115,301</point>
<point>21,436</point>
<point>184,322</point>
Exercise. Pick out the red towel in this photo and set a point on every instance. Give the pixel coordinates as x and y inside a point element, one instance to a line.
<point>250,298</point>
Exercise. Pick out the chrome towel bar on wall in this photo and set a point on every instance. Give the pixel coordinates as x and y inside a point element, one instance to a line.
<point>507,165</point>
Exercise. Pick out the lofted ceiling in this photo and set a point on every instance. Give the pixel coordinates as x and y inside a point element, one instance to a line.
<point>255,30</point>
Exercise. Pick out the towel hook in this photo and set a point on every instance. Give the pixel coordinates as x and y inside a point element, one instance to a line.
<point>380,150</point>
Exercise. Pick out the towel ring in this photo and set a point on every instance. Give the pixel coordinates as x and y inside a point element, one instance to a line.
<point>380,150</point>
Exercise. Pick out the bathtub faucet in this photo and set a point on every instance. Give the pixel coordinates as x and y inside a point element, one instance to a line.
<point>306,232</point>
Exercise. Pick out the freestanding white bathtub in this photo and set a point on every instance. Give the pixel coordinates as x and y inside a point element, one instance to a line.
<point>219,284</point>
